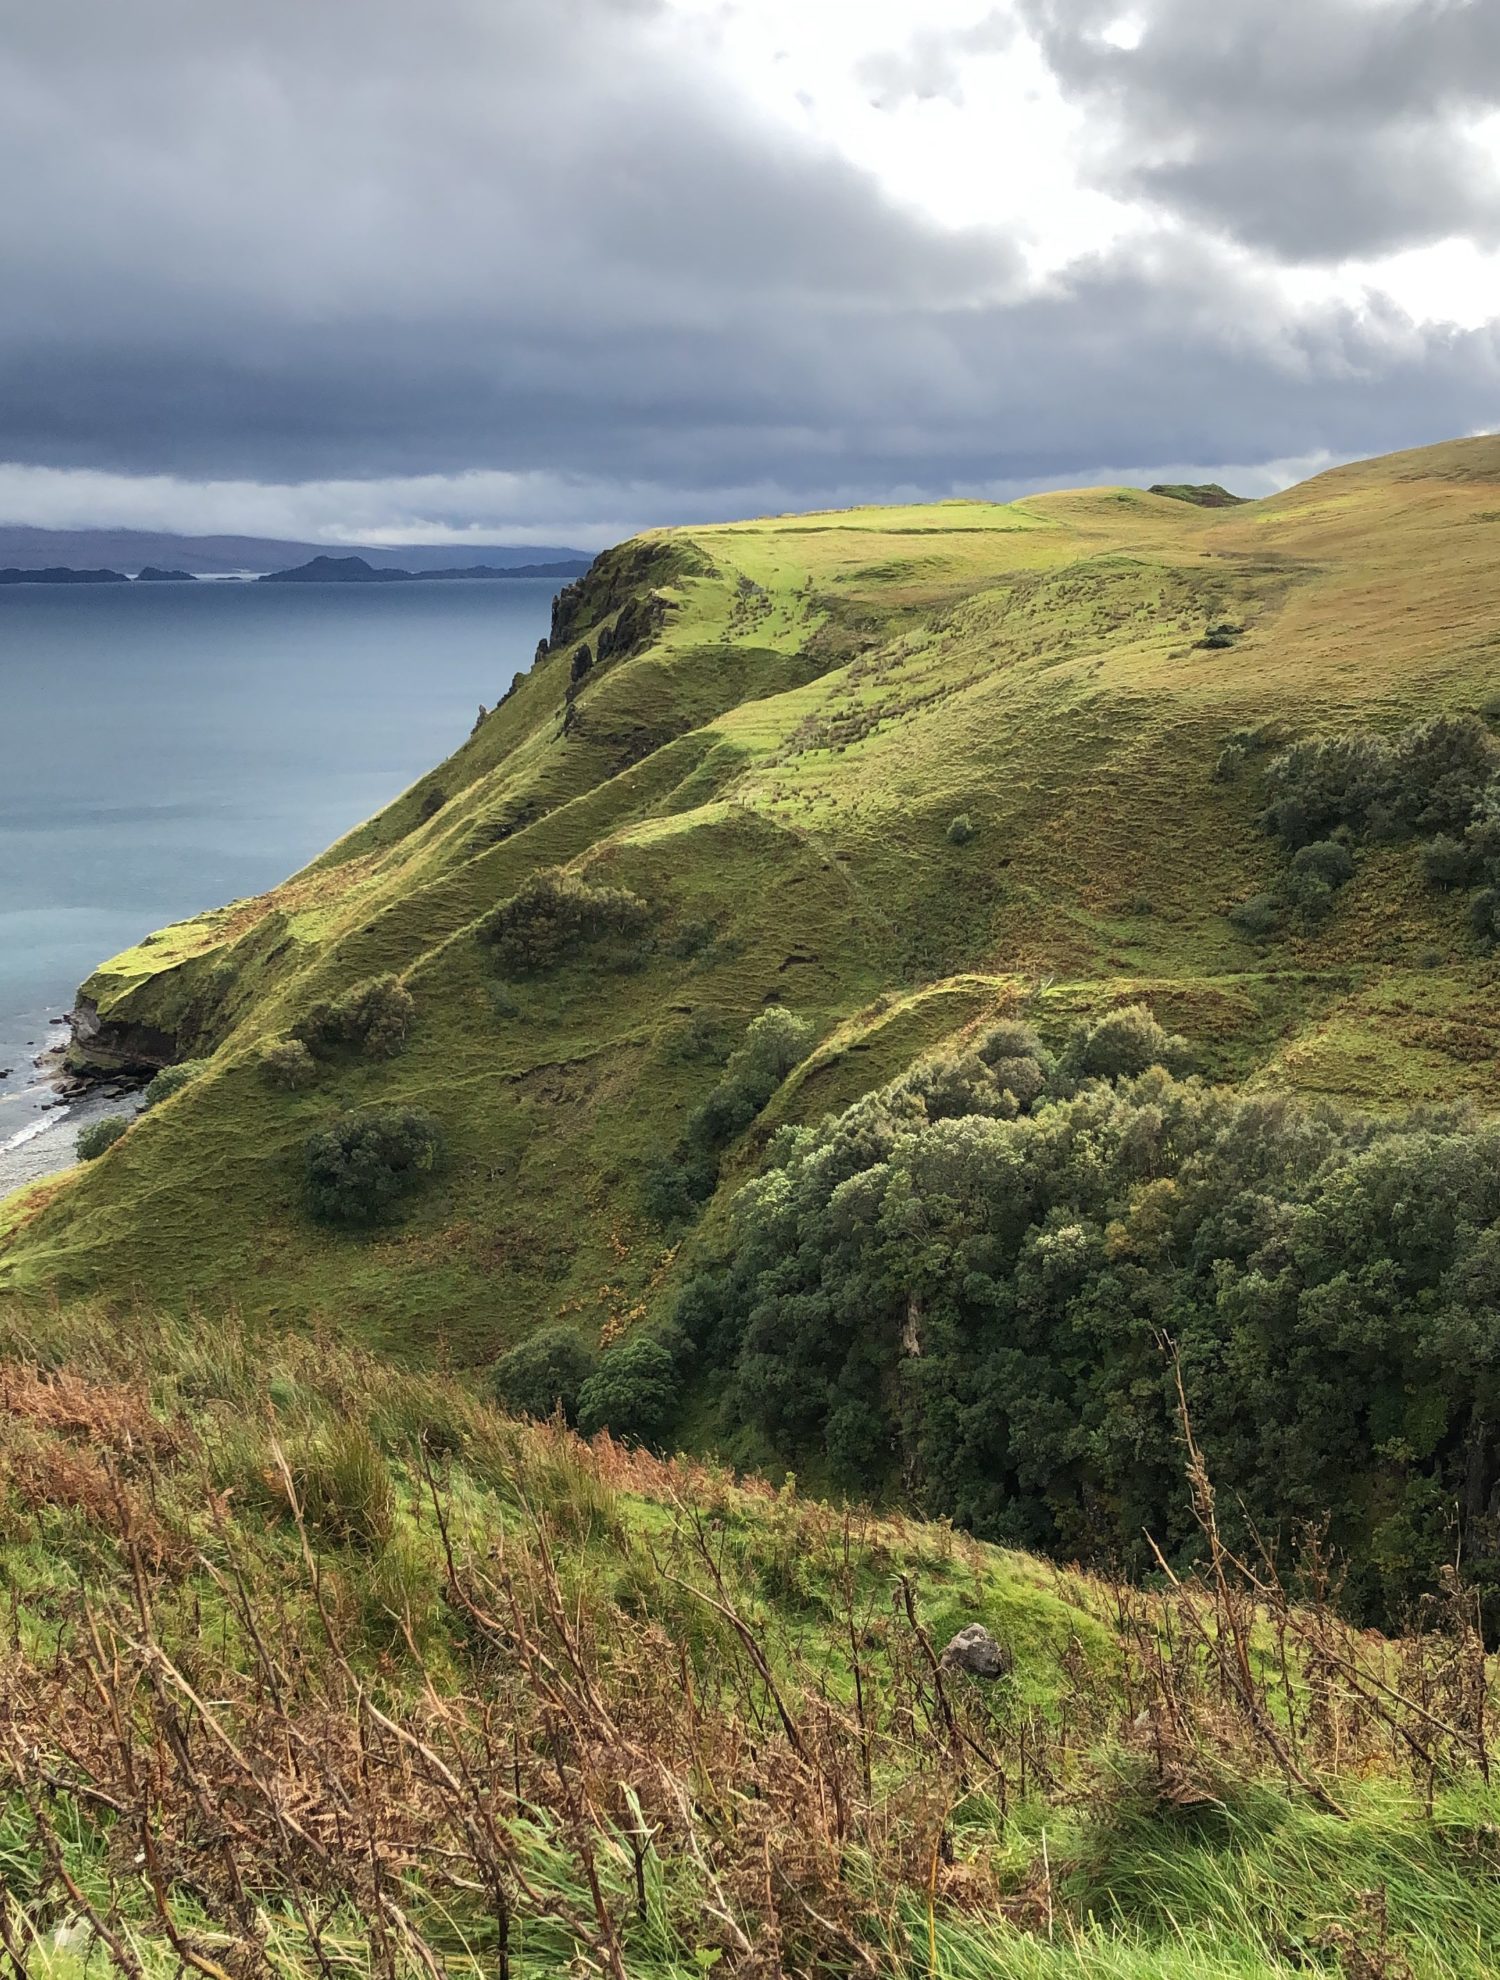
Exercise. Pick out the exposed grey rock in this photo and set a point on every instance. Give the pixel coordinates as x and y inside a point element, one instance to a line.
<point>975,1651</point>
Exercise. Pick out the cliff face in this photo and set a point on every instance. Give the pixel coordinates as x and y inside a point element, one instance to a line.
<point>99,1046</point>
<point>765,733</point>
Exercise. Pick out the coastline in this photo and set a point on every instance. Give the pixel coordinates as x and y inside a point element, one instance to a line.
<point>42,1105</point>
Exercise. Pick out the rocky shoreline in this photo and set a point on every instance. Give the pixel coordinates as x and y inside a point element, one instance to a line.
<point>40,1118</point>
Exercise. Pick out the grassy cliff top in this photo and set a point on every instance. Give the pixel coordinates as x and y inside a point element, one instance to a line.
<point>765,732</point>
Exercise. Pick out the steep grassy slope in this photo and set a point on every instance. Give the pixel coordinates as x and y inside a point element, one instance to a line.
<point>778,723</point>
<point>315,1667</point>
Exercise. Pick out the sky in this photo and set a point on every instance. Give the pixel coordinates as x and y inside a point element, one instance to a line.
<point>556,270</point>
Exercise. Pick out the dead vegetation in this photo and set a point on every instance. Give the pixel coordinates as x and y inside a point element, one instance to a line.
<point>554,1706</point>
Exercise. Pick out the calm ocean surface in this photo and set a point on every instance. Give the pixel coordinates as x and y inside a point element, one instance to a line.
<point>168,747</point>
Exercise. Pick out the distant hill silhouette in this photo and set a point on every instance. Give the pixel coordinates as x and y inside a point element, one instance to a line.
<point>357,570</point>
<point>218,556</point>
<point>61,574</point>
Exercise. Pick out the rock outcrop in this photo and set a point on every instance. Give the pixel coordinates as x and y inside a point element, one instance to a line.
<point>974,1651</point>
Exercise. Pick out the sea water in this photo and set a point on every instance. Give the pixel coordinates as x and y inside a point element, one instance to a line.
<point>168,747</point>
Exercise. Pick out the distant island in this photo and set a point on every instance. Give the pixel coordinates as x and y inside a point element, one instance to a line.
<point>240,556</point>
<point>355,570</point>
<point>58,574</point>
<point>319,570</point>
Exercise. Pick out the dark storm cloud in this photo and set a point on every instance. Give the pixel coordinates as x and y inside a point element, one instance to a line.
<point>285,241</point>
<point>1318,130</point>
<point>282,239</point>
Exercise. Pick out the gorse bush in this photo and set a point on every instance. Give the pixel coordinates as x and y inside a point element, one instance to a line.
<point>961,831</point>
<point>170,1080</point>
<point>99,1135</point>
<point>543,1374</point>
<point>358,1170</point>
<point>555,915</point>
<point>373,1018</point>
<point>287,1064</point>
<point>976,1302</point>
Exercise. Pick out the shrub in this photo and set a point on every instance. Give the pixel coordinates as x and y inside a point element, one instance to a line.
<point>1019,1064</point>
<point>1122,1044</point>
<point>99,1135</point>
<point>702,1037</point>
<point>1316,786</point>
<point>676,1186</point>
<point>286,1063</point>
<point>1442,769</point>
<point>1309,897</point>
<point>373,1018</point>
<point>172,1079</point>
<point>635,1392</point>
<point>773,1044</point>
<point>1326,860</point>
<point>1318,870</point>
<point>675,1189</point>
<point>358,1170</point>
<point>960,831</point>
<point>554,915</point>
<point>1448,862</point>
<point>1483,835</point>
<point>1431,778</point>
<point>694,940</point>
<point>543,1374</point>
<point>1256,917</point>
<point>1002,1077</point>
<point>1484,914</point>
<point>379,1016</point>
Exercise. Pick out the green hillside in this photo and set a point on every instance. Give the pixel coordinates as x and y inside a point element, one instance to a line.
<point>988,1010</point>
<point>764,733</point>
<point>314,1668</point>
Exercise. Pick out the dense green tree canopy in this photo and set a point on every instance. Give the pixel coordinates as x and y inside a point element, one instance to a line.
<point>981,1300</point>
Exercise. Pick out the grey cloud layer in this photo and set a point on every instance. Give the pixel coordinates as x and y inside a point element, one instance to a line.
<point>1317,130</point>
<point>282,241</point>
